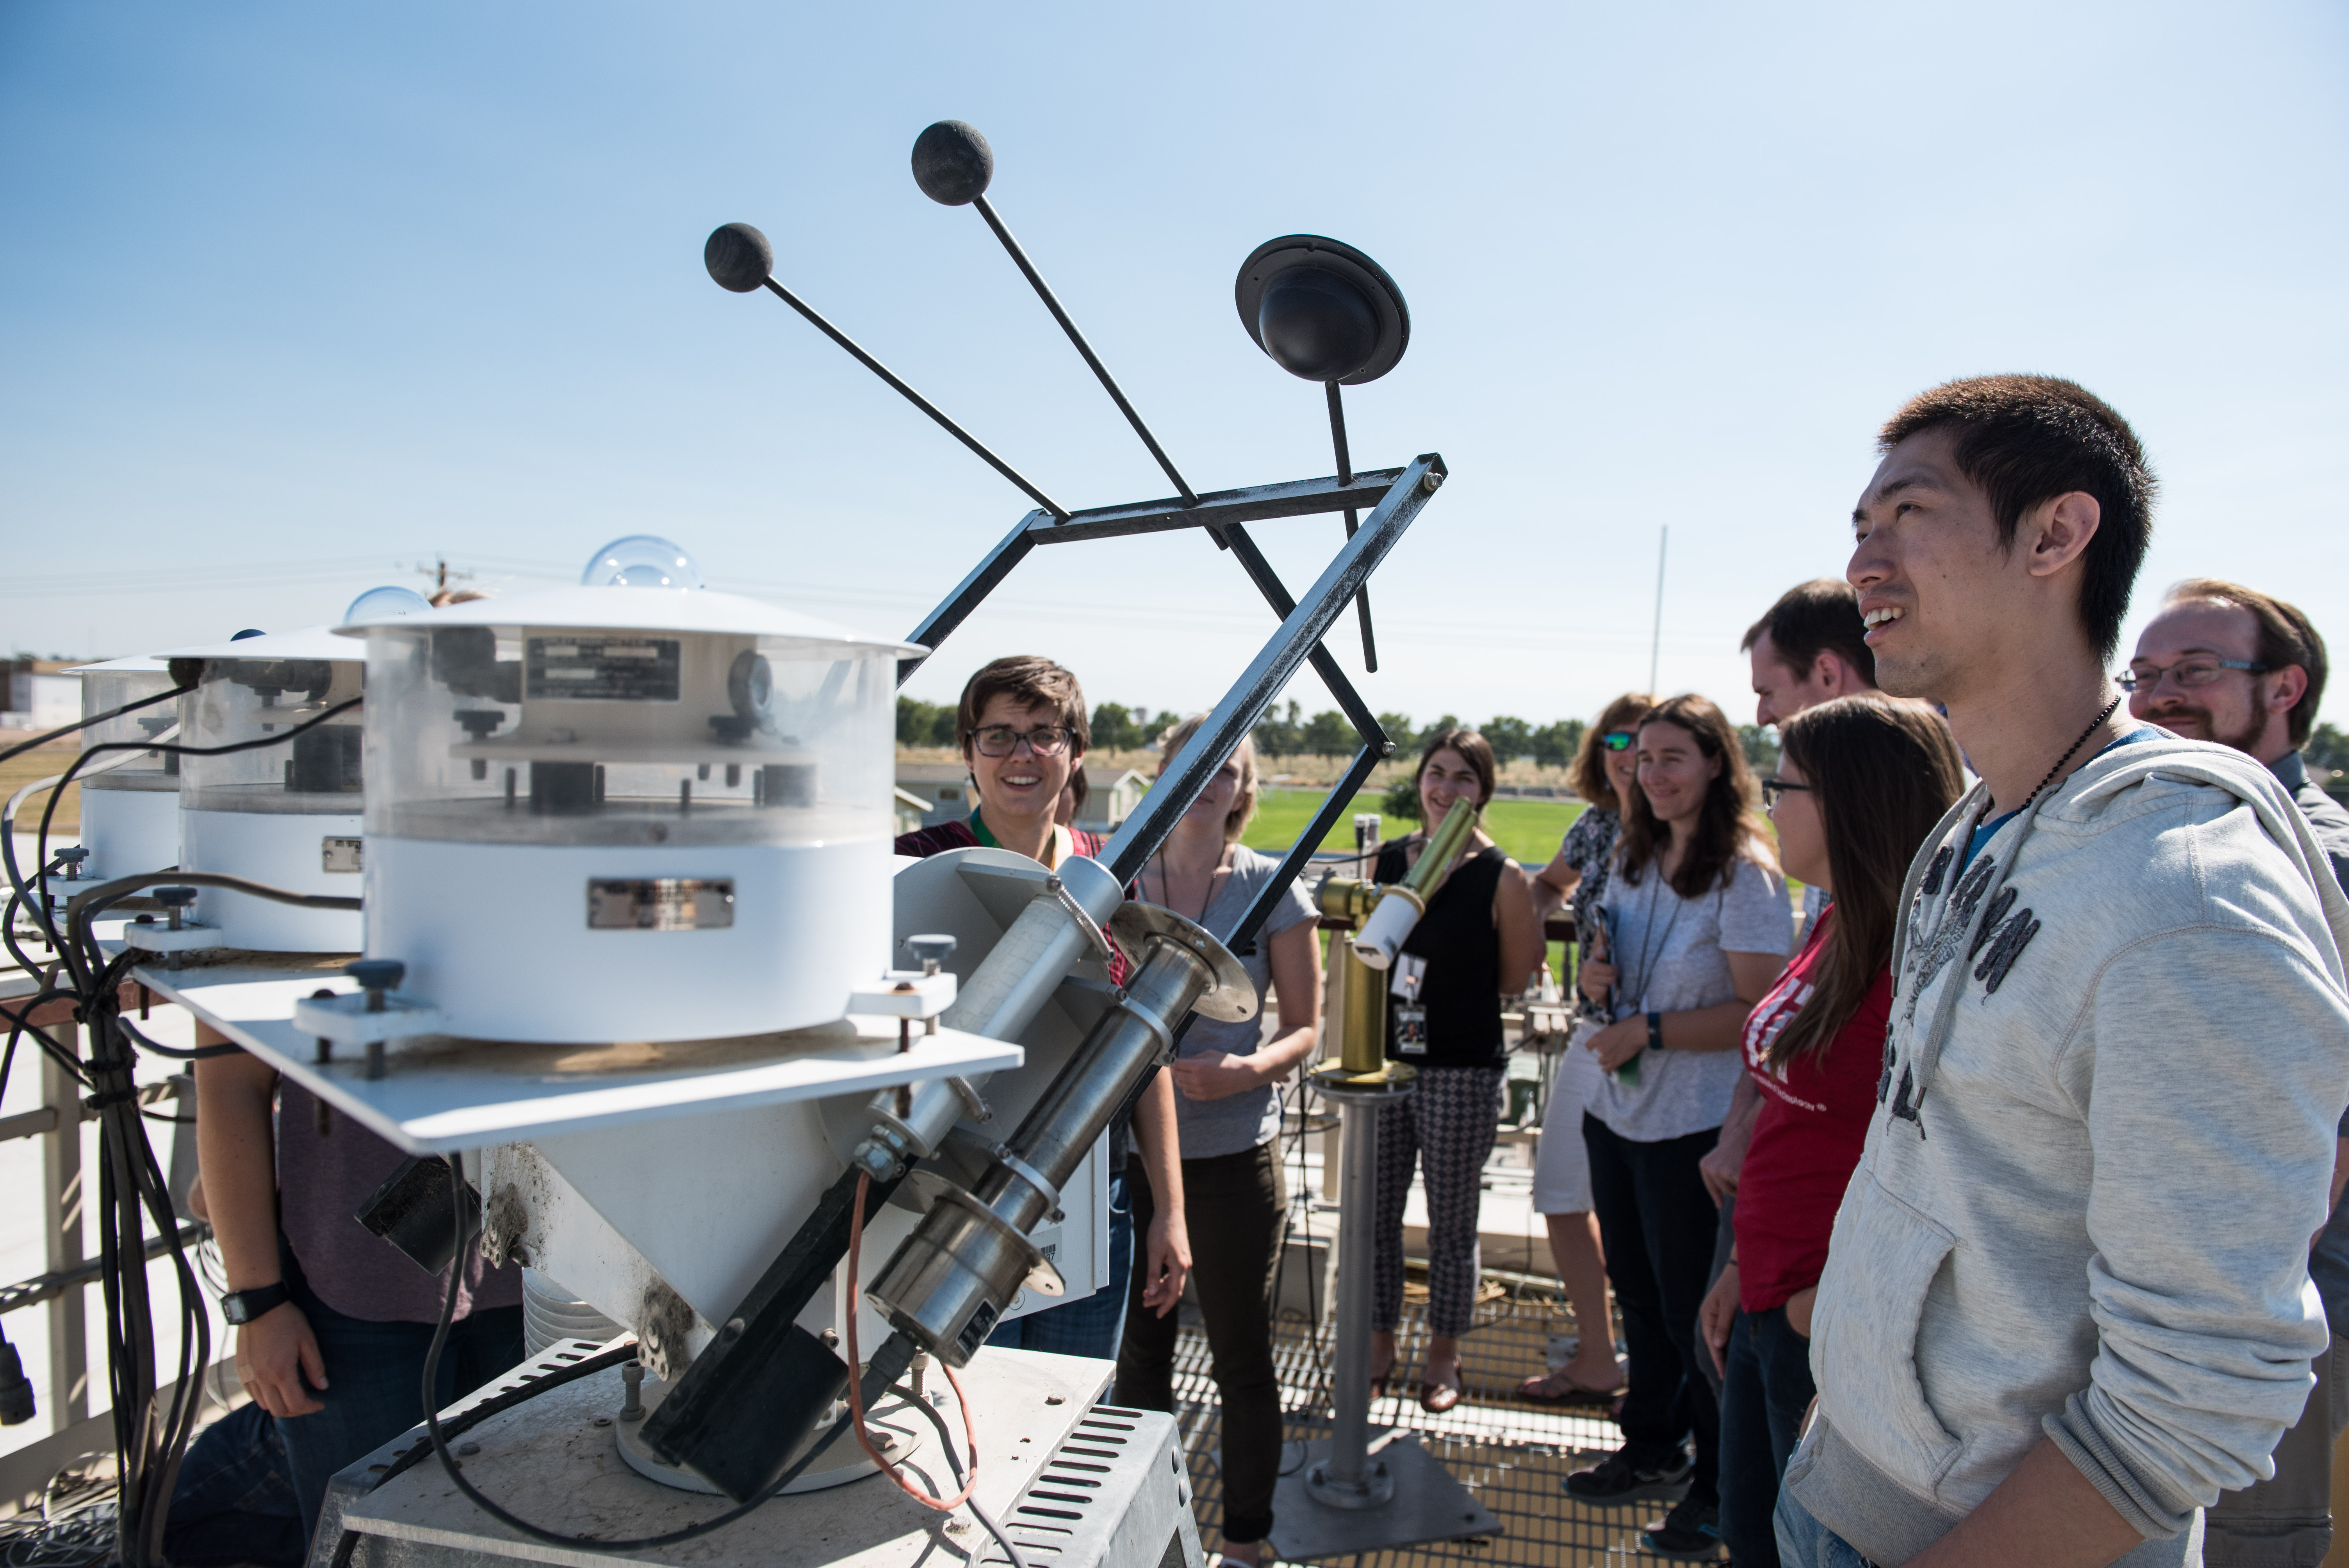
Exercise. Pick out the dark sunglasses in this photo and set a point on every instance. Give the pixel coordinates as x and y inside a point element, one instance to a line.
<point>1774,789</point>
<point>1618,739</point>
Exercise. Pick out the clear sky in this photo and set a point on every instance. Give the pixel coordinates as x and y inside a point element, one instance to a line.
<point>293,297</point>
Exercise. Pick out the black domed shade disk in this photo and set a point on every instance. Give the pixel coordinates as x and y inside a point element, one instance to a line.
<point>952,163</point>
<point>739,257</point>
<point>1322,309</point>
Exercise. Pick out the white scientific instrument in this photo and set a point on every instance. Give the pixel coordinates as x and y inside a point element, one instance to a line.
<point>129,800</point>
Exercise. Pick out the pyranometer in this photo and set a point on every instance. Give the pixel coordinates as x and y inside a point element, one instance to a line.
<point>633,809</point>
<point>130,810</point>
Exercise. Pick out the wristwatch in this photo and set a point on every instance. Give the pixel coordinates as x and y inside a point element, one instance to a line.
<point>242,1306</point>
<point>1655,1031</point>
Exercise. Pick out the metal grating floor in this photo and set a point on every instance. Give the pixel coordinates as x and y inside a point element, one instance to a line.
<point>1514,1456</point>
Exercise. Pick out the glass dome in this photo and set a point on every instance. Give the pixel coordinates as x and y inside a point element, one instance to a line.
<point>376,603</point>
<point>641,560</point>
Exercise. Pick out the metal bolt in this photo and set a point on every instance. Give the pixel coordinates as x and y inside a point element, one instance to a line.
<point>374,1066</point>
<point>469,1450</point>
<point>603,1420</point>
<point>632,1384</point>
<point>1429,481</point>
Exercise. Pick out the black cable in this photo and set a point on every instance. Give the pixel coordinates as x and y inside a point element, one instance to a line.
<point>882,1372</point>
<point>257,744</point>
<point>174,1052</point>
<point>946,1445</point>
<point>8,839</point>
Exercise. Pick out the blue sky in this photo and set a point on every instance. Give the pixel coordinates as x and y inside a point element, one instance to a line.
<point>294,297</point>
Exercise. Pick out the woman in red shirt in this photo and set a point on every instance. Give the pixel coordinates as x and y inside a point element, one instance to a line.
<point>1861,781</point>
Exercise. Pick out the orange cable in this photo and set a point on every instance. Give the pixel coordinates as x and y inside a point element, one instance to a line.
<point>855,1384</point>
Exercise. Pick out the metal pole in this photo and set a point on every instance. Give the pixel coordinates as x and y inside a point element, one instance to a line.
<point>61,1191</point>
<point>1346,476</point>
<point>1350,1478</point>
<point>1656,638</point>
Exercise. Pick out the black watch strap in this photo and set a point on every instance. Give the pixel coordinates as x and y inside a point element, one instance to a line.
<point>1655,1031</point>
<point>242,1306</point>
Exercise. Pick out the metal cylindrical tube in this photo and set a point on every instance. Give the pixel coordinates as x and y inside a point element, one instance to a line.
<point>1362,1042</point>
<point>950,1280</point>
<point>1002,996</point>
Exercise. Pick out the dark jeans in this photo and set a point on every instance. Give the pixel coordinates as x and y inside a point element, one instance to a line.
<point>375,1382</point>
<point>1763,1395</point>
<point>1089,1325</point>
<point>1656,1222</point>
<point>1241,1201</point>
<point>235,1499</point>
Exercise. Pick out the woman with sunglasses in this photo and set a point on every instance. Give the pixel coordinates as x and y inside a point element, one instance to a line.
<point>1861,781</point>
<point>1021,725</point>
<point>1695,927</point>
<point>1606,768</point>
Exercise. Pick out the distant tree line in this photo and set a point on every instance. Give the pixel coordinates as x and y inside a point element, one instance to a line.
<point>1287,732</point>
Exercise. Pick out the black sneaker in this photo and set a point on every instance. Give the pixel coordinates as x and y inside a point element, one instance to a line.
<point>1615,1480</point>
<point>1691,1532</point>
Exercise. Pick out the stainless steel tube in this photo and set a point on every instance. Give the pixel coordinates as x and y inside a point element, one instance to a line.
<point>1349,1401</point>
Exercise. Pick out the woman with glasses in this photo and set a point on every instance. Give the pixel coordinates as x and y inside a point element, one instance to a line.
<point>1227,1084</point>
<point>1694,931</point>
<point>1021,727</point>
<point>1477,941</point>
<point>1861,781</point>
<point>1605,771</point>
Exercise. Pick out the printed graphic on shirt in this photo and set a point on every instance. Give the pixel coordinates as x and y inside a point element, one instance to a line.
<point>1765,1024</point>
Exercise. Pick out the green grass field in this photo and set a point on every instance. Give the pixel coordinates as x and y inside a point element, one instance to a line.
<point>1527,830</point>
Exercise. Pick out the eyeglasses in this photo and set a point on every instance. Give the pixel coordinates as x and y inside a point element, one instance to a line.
<point>1001,740</point>
<point>1774,790</point>
<point>2188,673</point>
<point>1618,739</point>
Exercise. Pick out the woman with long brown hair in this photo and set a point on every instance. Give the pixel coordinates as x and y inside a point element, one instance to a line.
<point>1695,927</point>
<point>1861,781</point>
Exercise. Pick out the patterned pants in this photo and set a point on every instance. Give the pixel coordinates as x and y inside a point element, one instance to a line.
<point>1447,1126</point>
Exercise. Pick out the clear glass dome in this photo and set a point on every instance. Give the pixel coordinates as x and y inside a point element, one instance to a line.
<point>376,603</point>
<point>318,773</point>
<point>585,735</point>
<point>103,689</point>
<point>641,560</point>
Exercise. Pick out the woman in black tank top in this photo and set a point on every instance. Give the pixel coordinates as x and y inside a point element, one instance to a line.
<point>1479,941</point>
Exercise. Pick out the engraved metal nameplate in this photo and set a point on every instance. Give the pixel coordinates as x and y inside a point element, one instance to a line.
<point>660,903</point>
<point>339,854</point>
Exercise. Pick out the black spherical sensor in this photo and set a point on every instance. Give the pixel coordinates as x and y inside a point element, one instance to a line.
<point>952,163</point>
<point>739,257</point>
<point>1317,325</point>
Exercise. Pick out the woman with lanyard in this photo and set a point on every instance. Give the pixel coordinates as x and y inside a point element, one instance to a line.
<point>1696,931</point>
<point>1477,943</point>
<point>1861,782</point>
<point>1605,772</point>
<point>1020,723</point>
<point>1228,1085</point>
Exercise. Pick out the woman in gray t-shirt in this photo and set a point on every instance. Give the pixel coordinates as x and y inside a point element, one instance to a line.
<point>1697,928</point>
<point>1228,1085</point>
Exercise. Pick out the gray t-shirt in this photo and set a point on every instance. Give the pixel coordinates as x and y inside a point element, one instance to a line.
<point>1672,957</point>
<point>1237,1122</point>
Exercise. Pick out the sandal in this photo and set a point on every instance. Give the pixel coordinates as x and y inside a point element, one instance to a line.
<point>1437,1398</point>
<point>1546,1390</point>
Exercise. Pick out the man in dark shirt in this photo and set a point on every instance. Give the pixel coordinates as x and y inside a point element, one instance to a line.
<point>2230,664</point>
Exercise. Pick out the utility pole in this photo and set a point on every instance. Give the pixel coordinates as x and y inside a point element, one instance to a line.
<point>1656,636</point>
<point>440,575</point>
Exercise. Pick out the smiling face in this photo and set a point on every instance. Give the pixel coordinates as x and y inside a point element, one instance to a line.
<point>1443,778</point>
<point>1674,773</point>
<point>1780,691</point>
<point>1022,785</point>
<point>2242,708</point>
<point>1929,569</point>
<point>1623,768</point>
<point>1802,835</point>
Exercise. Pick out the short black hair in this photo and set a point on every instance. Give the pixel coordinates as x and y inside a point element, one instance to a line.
<point>1821,616</point>
<point>2029,439</point>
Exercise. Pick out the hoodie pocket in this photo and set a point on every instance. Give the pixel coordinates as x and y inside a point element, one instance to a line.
<point>1885,1255</point>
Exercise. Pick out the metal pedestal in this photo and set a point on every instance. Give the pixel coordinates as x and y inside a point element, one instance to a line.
<point>1358,1492</point>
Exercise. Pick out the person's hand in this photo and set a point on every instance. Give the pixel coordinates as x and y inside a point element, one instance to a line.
<point>1597,977</point>
<point>1713,1318</point>
<point>1798,1309</point>
<point>1724,1161</point>
<point>1214,1075</point>
<point>1166,1262</point>
<point>1620,1041</point>
<point>275,1353</point>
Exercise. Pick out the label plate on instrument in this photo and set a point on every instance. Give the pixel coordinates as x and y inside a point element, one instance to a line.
<point>339,854</point>
<point>602,669</point>
<point>660,903</point>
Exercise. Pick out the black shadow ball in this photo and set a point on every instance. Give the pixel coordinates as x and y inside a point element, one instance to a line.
<point>952,163</point>
<point>1317,325</point>
<point>739,257</point>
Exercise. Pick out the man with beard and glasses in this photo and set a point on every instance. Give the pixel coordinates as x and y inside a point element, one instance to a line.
<point>2230,664</point>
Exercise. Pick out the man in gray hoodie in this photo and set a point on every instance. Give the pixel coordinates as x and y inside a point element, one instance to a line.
<point>2066,1303</point>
